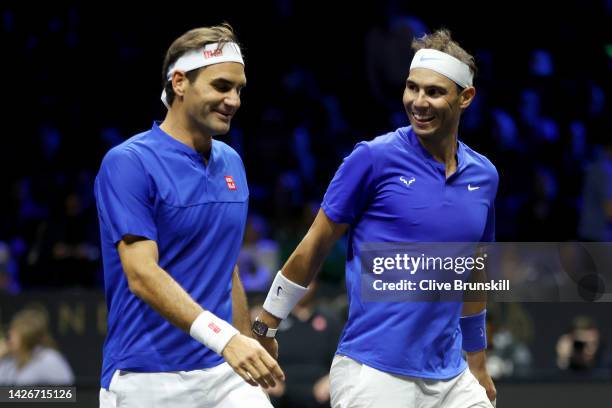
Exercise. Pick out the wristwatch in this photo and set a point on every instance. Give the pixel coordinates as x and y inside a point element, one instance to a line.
<point>262,330</point>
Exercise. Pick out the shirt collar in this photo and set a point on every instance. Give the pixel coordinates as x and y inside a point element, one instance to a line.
<point>412,139</point>
<point>178,145</point>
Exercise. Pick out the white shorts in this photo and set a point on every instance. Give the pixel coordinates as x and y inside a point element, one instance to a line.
<point>355,385</point>
<point>218,387</point>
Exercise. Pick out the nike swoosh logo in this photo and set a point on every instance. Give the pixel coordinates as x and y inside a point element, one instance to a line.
<point>473,188</point>
<point>278,290</point>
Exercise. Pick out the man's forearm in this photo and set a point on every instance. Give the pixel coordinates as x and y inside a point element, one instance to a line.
<point>304,263</point>
<point>240,308</point>
<point>476,301</point>
<point>476,359</point>
<point>306,260</point>
<point>159,290</point>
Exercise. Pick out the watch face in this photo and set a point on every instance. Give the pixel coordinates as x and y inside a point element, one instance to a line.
<point>259,328</point>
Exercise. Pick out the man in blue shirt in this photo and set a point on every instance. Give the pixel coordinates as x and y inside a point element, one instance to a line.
<point>172,205</point>
<point>416,184</point>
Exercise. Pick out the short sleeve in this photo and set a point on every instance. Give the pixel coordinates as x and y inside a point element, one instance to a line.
<point>123,197</point>
<point>352,186</point>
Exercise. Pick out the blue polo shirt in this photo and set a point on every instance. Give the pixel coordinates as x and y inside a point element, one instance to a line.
<point>391,189</point>
<point>156,187</point>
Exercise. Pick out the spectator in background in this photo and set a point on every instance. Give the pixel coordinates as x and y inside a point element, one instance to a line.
<point>28,355</point>
<point>581,349</point>
<point>388,58</point>
<point>9,281</point>
<point>596,215</point>
<point>66,246</point>
<point>258,260</point>
<point>309,337</point>
<point>509,328</point>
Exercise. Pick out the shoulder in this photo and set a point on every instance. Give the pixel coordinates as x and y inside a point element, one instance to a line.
<point>480,160</point>
<point>226,150</point>
<point>368,151</point>
<point>129,149</point>
<point>51,366</point>
<point>6,361</point>
<point>49,356</point>
<point>228,154</point>
<point>382,144</point>
<point>132,151</point>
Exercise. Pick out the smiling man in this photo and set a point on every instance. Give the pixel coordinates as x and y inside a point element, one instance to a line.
<point>415,184</point>
<point>172,206</point>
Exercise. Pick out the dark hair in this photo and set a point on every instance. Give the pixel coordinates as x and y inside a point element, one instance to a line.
<point>193,40</point>
<point>441,40</point>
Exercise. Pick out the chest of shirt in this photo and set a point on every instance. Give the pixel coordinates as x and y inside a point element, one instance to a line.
<point>191,199</point>
<point>420,204</point>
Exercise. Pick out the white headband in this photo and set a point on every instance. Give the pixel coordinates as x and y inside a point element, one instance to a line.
<point>447,65</point>
<point>209,55</point>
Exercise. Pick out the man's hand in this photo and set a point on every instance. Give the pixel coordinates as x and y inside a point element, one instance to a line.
<point>277,391</point>
<point>271,345</point>
<point>320,390</point>
<point>250,361</point>
<point>477,363</point>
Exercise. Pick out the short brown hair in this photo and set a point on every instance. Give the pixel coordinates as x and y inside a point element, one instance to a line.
<point>33,326</point>
<point>193,40</point>
<point>441,40</point>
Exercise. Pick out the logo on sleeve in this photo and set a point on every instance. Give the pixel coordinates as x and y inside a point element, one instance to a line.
<point>214,327</point>
<point>230,183</point>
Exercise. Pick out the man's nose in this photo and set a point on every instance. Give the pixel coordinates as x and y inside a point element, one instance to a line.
<point>233,99</point>
<point>420,100</point>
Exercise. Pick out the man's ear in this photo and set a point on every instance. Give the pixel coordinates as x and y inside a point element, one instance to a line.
<point>466,97</point>
<point>179,83</point>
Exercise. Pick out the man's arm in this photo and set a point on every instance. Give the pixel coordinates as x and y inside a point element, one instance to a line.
<point>148,281</point>
<point>306,260</point>
<point>477,359</point>
<point>155,286</point>
<point>240,307</point>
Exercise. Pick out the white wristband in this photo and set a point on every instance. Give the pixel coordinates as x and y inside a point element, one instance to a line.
<point>283,296</point>
<point>211,331</point>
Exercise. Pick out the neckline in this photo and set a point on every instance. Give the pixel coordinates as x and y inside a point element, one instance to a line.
<point>411,138</point>
<point>177,144</point>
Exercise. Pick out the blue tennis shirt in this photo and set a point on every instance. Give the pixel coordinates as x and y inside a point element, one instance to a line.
<point>391,189</point>
<point>156,187</point>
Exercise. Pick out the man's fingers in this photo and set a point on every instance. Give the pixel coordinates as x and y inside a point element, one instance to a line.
<point>492,394</point>
<point>273,367</point>
<point>242,372</point>
<point>266,379</point>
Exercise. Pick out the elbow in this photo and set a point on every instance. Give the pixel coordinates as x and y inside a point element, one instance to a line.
<point>136,287</point>
<point>137,281</point>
